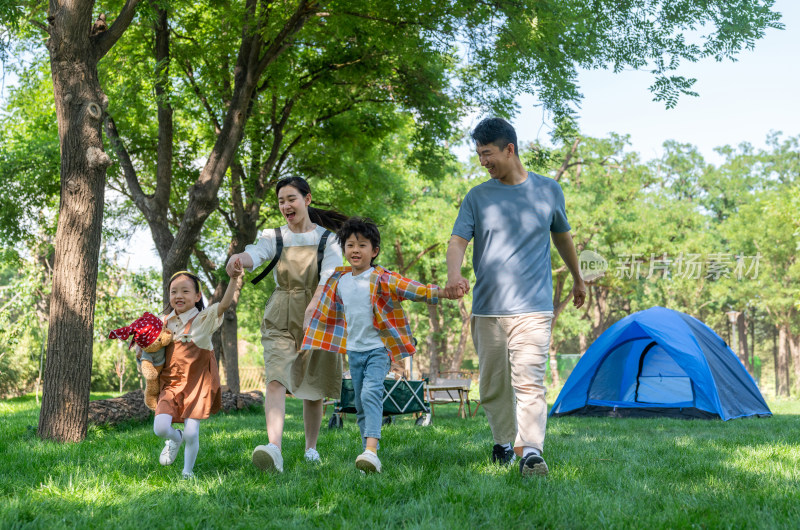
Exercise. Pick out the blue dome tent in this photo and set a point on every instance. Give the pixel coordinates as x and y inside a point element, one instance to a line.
<point>664,363</point>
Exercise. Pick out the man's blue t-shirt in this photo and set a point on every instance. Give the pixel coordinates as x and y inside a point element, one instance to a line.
<point>511,226</point>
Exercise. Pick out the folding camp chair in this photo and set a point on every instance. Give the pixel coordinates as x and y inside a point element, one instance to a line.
<point>400,396</point>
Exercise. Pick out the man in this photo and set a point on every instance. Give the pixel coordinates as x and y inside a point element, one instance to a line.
<point>511,218</point>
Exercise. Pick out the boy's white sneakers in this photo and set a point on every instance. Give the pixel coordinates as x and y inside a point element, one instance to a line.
<point>312,456</point>
<point>268,458</point>
<point>368,462</point>
<point>170,451</point>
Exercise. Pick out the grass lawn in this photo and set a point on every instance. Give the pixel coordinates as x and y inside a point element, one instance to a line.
<point>608,473</point>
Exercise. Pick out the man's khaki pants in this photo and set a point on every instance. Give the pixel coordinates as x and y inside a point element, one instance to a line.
<point>512,357</point>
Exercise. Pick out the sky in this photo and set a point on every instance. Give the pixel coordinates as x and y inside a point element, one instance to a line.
<point>738,101</point>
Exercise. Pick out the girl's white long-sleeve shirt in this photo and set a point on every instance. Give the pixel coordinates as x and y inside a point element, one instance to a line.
<point>205,324</point>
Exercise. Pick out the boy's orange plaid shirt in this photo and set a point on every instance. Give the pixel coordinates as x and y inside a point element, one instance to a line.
<point>328,330</point>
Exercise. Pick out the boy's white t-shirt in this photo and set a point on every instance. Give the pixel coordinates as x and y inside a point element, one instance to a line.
<point>354,291</point>
<point>264,249</point>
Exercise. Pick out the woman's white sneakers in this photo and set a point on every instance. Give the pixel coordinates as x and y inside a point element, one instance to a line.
<point>368,462</point>
<point>170,451</point>
<point>312,456</point>
<point>268,458</point>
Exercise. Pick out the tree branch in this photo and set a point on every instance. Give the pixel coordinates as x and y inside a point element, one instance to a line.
<point>298,19</point>
<point>565,164</point>
<point>105,40</point>
<point>189,71</point>
<point>418,257</point>
<point>137,194</point>
<point>164,148</point>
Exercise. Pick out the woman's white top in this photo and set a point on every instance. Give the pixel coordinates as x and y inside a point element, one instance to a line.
<point>355,294</point>
<point>263,250</point>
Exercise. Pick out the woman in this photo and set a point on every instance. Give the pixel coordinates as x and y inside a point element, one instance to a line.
<point>300,275</point>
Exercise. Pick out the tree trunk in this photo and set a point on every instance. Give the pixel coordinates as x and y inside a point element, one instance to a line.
<point>433,349</point>
<point>753,339</point>
<point>599,310</point>
<point>458,355</point>
<point>230,348</point>
<point>742,349</point>
<point>216,343</point>
<point>794,348</point>
<point>775,358</point>
<point>80,104</point>
<point>582,343</point>
<point>782,366</point>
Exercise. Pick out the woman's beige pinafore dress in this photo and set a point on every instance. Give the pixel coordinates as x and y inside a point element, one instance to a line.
<point>306,374</point>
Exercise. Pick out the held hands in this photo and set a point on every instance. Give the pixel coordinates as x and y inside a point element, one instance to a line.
<point>236,273</point>
<point>234,268</point>
<point>455,288</point>
<point>243,259</point>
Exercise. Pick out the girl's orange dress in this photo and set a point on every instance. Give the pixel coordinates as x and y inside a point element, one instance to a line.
<point>189,381</point>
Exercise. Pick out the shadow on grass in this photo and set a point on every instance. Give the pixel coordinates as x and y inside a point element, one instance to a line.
<point>604,472</point>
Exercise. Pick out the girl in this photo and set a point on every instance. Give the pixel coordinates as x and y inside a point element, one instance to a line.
<point>190,381</point>
<point>305,262</point>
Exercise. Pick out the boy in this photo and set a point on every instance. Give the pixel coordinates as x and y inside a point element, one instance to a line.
<point>359,314</point>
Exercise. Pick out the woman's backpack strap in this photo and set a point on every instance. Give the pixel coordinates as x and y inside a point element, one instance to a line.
<point>278,250</point>
<point>323,241</point>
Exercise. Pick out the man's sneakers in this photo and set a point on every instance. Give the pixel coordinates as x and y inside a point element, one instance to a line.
<point>312,456</point>
<point>531,465</point>
<point>368,462</point>
<point>170,451</point>
<point>503,455</point>
<point>268,458</point>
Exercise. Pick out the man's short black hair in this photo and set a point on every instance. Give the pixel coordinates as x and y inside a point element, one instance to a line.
<point>361,226</point>
<point>495,131</point>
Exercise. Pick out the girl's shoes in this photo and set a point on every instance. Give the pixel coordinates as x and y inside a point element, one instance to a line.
<point>187,476</point>
<point>170,451</point>
<point>312,456</point>
<point>268,458</point>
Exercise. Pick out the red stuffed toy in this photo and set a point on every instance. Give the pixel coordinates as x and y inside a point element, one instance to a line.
<point>150,334</point>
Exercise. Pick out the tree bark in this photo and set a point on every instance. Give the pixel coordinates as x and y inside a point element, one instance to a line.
<point>782,366</point>
<point>775,358</point>
<point>230,349</point>
<point>794,348</point>
<point>554,377</point>
<point>458,355</point>
<point>742,348</point>
<point>433,349</point>
<point>75,47</point>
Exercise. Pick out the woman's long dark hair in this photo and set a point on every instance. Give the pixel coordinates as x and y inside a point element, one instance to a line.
<point>330,219</point>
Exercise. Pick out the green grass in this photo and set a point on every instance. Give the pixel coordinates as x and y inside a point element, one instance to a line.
<point>608,473</point>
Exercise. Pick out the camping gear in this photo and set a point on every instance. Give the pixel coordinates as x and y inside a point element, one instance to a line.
<point>401,396</point>
<point>662,363</point>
